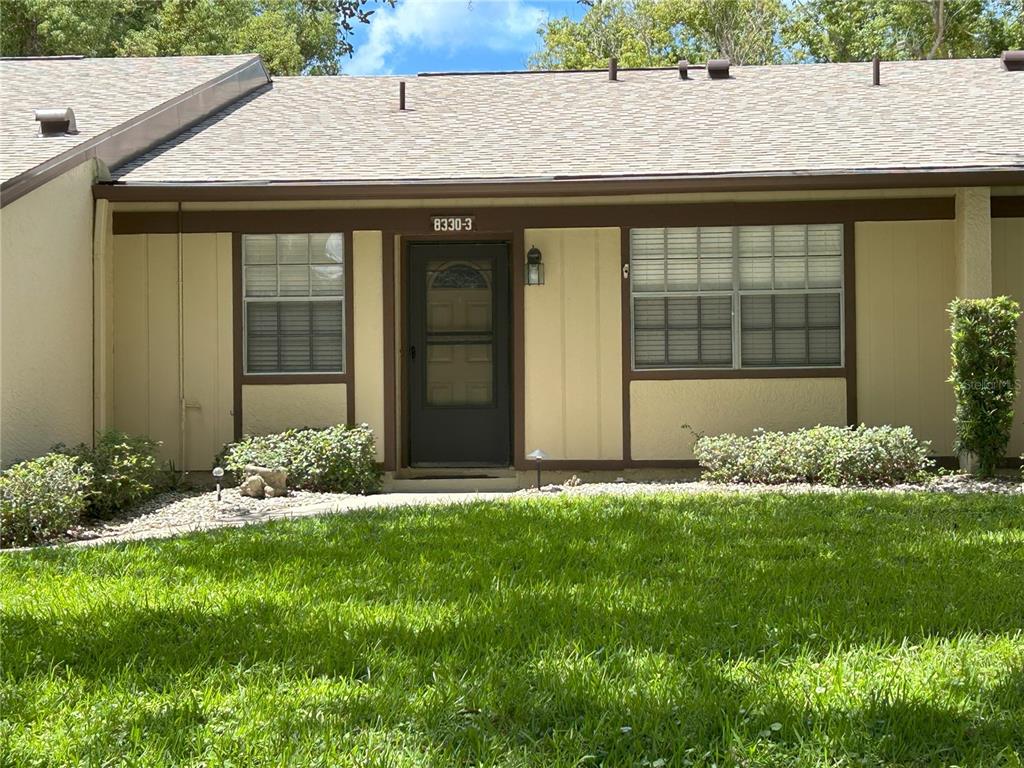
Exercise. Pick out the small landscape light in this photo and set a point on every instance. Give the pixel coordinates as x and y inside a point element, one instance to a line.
<point>538,456</point>
<point>534,266</point>
<point>218,473</point>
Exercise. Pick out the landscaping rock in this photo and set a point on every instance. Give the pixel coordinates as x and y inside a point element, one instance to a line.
<point>274,480</point>
<point>254,487</point>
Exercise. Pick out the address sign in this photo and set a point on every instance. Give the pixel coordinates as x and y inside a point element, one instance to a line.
<point>453,223</point>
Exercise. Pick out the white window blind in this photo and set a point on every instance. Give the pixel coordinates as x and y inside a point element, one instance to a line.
<point>737,297</point>
<point>294,297</point>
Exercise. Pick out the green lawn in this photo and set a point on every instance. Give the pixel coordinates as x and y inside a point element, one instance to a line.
<point>659,631</point>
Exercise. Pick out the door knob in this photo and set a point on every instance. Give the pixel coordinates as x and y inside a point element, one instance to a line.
<point>412,352</point>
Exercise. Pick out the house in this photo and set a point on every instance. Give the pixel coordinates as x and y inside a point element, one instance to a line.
<point>480,265</point>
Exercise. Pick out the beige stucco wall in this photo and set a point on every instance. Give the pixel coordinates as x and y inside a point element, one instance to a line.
<point>906,277</point>
<point>659,409</point>
<point>46,351</point>
<point>268,408</point>
<point>1008,279</point>
<point>151,390</point>
<point>367,333</point>
<point>573,345</point>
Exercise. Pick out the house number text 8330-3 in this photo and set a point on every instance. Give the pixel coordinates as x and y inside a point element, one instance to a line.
<point>453,223</point>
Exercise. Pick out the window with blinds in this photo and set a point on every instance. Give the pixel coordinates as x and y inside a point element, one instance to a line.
<point>737,297</point>
<point>294,297</point>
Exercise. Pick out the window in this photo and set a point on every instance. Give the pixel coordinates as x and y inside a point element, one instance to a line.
<point>294,318</point>
<point>737,297</point>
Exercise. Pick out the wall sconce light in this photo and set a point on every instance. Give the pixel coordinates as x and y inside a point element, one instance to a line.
<point>538,456</point>
<point>534,267</point>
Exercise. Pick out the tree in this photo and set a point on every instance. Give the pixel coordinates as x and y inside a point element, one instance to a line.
<point>293,36</point>
<point>852,30</point>
<point>659,32</point>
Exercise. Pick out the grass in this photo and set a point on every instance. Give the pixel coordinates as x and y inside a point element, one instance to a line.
<point>656,631</point>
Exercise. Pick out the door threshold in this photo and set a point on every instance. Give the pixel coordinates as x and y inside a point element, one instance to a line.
<point>454,473</point>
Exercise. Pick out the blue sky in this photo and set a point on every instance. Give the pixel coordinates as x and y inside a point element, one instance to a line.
<point>449,35</point>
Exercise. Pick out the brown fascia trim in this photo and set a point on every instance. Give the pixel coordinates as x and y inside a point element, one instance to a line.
<point>1010,207</point>
<point>130,139</point>
<point>416,221</point>
<point>555,186</point>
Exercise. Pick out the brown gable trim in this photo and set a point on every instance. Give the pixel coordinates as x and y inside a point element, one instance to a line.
<point>510,218</point>
<point>1008,207</point>
<point>556,187</point>
<point>130,139</point>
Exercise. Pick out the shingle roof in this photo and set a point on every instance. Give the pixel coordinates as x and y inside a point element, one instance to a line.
<point>765,120</point>
<point>104,94</point>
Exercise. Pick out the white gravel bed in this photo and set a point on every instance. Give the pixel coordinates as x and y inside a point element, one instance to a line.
<point>955,484</point>
<point>174,513</point>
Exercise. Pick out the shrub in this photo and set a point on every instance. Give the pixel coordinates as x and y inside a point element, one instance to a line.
<point>984,353</point>
<point>337,459</point>
<point>826,455</point>
<point>40,499</point>
<point>125,472</point>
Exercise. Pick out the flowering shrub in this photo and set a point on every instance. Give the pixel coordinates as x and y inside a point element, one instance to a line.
<point>983,375</point>
<point>337,459</point>
<point>826,455</point>
<point>40,499</point>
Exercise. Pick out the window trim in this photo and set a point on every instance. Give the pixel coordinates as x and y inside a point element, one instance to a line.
<point>737,370</point>
<point>242,377</point>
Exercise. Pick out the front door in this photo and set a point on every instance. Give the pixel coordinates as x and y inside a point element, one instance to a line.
<point>458,354</point>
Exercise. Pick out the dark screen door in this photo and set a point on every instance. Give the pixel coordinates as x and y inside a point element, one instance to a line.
<point>458,354</point>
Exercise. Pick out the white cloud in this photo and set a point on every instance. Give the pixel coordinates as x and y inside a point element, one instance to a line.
<point>438,25</point>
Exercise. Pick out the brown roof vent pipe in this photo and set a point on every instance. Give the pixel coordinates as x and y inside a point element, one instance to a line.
<point>684,67</point>
<point>718,69</point>
<point>876,71</point>
<point>401,95</point>
<point>613,68</point>
<point>1013,61</point>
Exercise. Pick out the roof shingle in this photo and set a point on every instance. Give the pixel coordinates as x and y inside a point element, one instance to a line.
<point>765,120</point>
<point>104,94</point>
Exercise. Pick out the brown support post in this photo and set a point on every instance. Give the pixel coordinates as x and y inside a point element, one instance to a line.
<point>388,279</point>
<point>627,351</point>
<point>350,336</point>
<point>850,319</point>
<point>518,350</point>
<point>236,316</point>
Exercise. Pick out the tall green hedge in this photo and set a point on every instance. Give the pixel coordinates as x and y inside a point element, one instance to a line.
<point>984,379</point>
